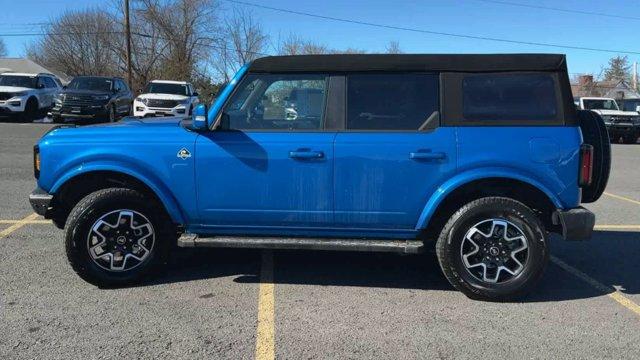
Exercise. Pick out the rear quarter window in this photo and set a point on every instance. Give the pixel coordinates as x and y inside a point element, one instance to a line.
<point>509,97</point>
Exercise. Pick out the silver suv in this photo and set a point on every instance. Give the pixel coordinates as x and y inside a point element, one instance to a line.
<point>27,95</point>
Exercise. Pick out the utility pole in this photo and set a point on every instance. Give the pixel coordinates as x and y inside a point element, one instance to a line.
<point>127,30</point>
<point>634,80</point>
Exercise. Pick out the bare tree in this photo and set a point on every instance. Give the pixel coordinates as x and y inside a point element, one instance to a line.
<point>245,41</point>
<point>78,44</point>
<point>294,45</point>
<point>394,47</point>
<point>3,48</point>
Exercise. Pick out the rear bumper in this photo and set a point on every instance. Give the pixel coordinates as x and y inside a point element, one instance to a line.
<point>577,224</point>
<point>40,201</point>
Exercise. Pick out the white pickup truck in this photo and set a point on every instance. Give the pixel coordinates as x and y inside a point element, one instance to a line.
<point>621,124</point>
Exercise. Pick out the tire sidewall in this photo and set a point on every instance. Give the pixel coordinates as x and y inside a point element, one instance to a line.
<point>79,227</point>
<point>520,216</point>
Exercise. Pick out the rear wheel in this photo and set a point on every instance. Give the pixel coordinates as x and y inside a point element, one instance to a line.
<point>594,133</point>
<point>116,237</point>
<point>493,248</point>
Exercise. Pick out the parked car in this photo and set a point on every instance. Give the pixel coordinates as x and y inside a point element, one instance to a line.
<point>27,95</point>
<point>631,105</point>
<point>93,97</point>
<point>166,98</point>
<point>620,123</point>
<point>484,154</point>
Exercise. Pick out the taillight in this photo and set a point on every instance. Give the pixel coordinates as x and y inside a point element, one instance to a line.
<point>36,161</point>
<point>586,165</point>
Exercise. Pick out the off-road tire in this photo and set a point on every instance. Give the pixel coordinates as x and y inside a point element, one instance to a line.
<point>91,208</point>
<point>448,249</point>
<point>594,132</point>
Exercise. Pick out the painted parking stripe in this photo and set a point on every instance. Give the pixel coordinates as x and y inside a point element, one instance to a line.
<point>27,222</point>
<point>17,225</point>
<point>622,198</point>
<point>608,290</point>
<point>617,227</point>
<point>265,337</point>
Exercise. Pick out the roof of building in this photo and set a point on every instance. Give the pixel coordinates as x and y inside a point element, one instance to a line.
<point>410,62</point>
<point>25,66</point>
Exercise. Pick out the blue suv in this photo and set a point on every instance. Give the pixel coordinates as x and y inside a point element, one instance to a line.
<point>483,155</point>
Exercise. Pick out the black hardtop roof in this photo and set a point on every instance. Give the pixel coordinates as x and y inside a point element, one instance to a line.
<point>411,62</point>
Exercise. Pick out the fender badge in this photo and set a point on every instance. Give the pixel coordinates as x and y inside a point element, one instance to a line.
<point>184,154</point>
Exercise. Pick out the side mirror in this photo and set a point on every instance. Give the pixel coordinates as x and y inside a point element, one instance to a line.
<point>195,94</point>
<point>199,117</point>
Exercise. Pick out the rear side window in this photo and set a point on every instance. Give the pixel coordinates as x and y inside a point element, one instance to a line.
<point>499,97</point>
<point>390,101</point>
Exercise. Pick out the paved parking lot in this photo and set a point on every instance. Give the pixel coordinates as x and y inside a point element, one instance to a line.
<point>292,304</point>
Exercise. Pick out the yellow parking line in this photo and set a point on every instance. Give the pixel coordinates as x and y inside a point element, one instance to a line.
<point>608,290</point>
<point>265,337</point>
<point>617,227</point>
<point>27,222</point>
<point>18,225</point>
<point>622,198</point>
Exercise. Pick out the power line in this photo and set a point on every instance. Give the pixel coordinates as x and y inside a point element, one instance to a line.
<point>441,33</point>
<point>540,7</point>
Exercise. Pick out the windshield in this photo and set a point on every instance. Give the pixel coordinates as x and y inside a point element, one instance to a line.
<point>600,104</point>
<point>166,88</point>
<point>18,81</point>
<point>88,83</point>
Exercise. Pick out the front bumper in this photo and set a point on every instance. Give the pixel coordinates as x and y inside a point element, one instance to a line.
<point>143,111</point>
<point>83,112</point>
<point>40,201</point>
<point>576,224</point>
<point>624,129</point>
<point>12,106</point>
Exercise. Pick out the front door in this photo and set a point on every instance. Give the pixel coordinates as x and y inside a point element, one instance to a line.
<point>271,163</point>
<point>392,155</point>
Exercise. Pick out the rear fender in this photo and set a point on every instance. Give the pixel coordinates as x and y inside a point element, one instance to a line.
<point>477,174</point>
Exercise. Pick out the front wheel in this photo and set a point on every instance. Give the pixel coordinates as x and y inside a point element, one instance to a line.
<point>116,237</point>
<point>493,249</point>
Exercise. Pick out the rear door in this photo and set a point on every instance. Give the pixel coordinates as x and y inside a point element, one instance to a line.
<point>270,165</point>
<point>392,155</point>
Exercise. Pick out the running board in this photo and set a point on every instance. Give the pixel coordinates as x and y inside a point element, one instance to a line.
<point>400,246</point>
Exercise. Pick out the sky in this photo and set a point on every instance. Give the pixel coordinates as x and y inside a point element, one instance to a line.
<point>482,18</point>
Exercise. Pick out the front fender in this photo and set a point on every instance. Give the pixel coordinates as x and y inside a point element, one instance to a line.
<point>125,166</point>
<point>477,174</point>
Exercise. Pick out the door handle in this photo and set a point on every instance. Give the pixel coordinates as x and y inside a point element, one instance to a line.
<point>306,154</point>
<point>427,155</point>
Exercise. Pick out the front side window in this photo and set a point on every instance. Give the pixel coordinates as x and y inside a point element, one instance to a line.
<point>631,105</point>
<point>391,101</point>
<point>599,104</point>
<point>90,83</point>
<point>277,102</point>
<point>18,81</point>
<point>489,97</point>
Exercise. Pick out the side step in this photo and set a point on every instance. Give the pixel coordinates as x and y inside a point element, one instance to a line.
<point>400,246</point>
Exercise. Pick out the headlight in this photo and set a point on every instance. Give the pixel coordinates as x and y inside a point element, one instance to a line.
<point>142,100</point>
<point>21,93</point>
<point>101,97</point>
<point>185,102</point>
<point>606,118</point>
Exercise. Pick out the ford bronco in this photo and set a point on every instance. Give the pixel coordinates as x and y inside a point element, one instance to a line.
<point>485,155</point>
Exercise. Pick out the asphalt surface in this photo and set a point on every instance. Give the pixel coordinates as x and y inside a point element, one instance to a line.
<point>324,304</point>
